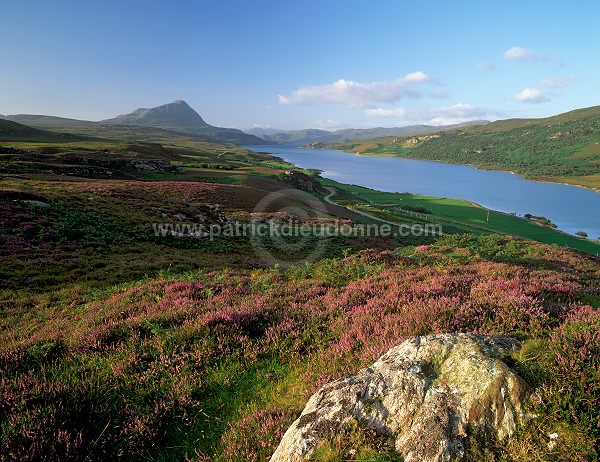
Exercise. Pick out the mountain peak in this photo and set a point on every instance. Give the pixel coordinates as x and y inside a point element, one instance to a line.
<point>178,103</point>
<point>179,116</point>
<point>178,113</point>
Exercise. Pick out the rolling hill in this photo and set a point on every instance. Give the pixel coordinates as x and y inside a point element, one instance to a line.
<point>261,131</point>
<point>13,131</point>
<point>47,122</point>
<point>314,135</point>
<point>295,136</point>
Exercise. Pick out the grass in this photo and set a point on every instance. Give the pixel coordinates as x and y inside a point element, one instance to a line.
<point>216,365</point>
<point>116,344</point>
<point>96,231</point>
<point>462,215</point>
<point>232,389</point>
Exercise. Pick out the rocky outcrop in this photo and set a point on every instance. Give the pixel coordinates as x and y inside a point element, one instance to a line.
<point>301,181</point>
<point>424,396</point>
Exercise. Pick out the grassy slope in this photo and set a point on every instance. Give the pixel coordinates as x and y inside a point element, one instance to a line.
<point>46,122</point>
<point>563,148</point>
<point>462,215</point>
<point>13,131</point>
<point>214,366</point>
<point>101,208</point>
<point>195,151</point>
<point>117,345</point>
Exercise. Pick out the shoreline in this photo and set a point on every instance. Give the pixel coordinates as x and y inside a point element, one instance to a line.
<point>481,168</point>
<point>468,201</point>
<point>477,205</point>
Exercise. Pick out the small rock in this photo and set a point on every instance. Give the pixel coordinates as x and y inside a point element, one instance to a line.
<point>552,443</point>
<point>414,369</point>
<point>36,203</point>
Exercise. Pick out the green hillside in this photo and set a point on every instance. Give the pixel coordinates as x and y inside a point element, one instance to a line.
<point>131,344</point>
<point>13,131</point>
<point>564,148</point>
<point>47,122</point>
<point>455,215</point>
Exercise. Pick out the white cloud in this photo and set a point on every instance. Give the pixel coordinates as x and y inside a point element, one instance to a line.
<point>383,112</point>
<point>485,66</point>
<point>526,55</point>
<point>358,94</point>
<point>458,113</point>
<point>531,95</point>
<point>445,115</point>
<point>556,82</point>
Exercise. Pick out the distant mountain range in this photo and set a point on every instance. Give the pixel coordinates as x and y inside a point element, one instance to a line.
<point>177,116</point>
<point>260,131</point>
<point>312,135</point>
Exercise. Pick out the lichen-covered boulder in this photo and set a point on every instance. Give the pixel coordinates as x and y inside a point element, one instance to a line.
<point>423,395</point>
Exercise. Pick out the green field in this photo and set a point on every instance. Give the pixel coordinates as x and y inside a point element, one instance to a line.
<point>457,213</point>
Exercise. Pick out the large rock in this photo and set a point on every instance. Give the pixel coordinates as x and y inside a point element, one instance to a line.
<point>301,181</point>
<point>423,395</point>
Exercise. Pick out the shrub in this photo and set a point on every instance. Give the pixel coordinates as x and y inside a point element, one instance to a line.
<point>255,436</point>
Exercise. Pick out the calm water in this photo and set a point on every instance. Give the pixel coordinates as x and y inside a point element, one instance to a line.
<point>571,208</point>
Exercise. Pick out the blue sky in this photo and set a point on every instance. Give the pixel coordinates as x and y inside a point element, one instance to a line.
<point>320,64</point>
